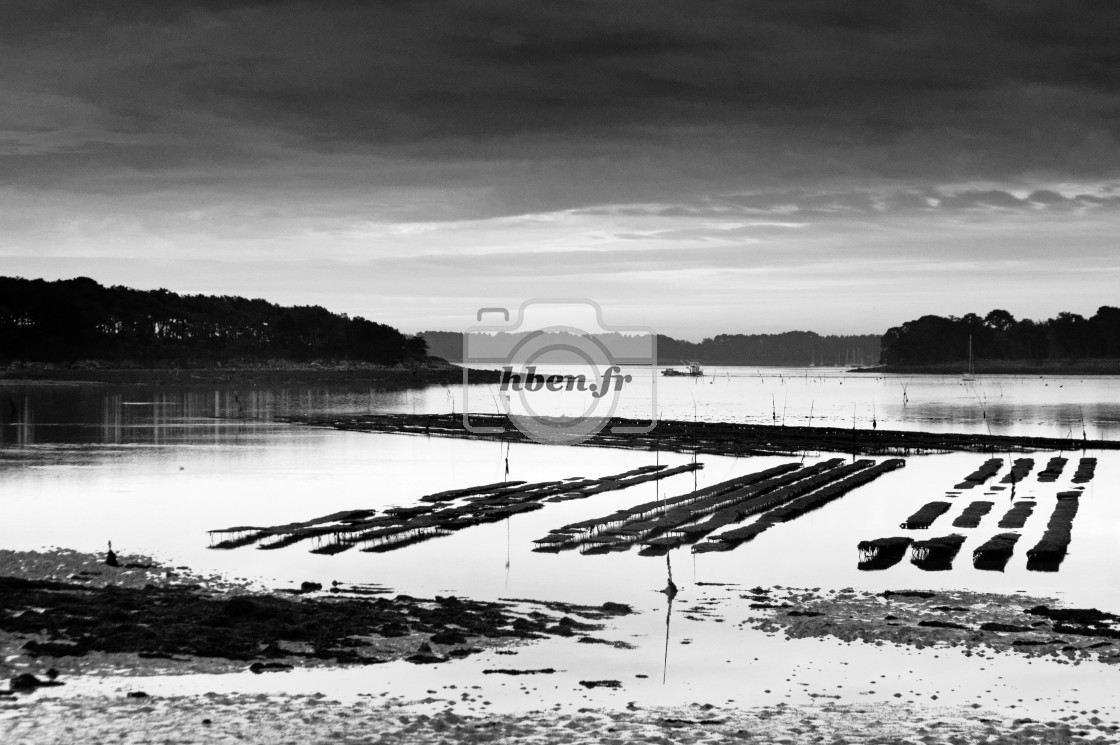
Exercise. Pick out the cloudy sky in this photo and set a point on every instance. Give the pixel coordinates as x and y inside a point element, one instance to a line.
<point>702,167</point>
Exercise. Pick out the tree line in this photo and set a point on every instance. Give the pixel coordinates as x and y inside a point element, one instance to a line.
<point>999,336</point>
<point>79,319</point>
<point>789,349</point>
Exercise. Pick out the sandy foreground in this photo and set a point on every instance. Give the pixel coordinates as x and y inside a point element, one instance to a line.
<point>297,719</point>
<point>450,714</point>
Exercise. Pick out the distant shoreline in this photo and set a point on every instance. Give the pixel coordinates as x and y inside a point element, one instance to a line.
<point>440,372</point>
<point>436,372</point>
<point>1094,366</point>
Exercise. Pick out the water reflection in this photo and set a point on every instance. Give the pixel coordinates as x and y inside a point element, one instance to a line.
<point>106,414</point>
<point>670,593</point>
<point>1006,405</point>
<point>139,415</point>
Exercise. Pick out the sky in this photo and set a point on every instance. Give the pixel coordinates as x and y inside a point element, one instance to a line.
<point>699,167</point>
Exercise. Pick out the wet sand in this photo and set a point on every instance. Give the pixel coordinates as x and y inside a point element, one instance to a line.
<point>979,623</point>
<point>215,718</point>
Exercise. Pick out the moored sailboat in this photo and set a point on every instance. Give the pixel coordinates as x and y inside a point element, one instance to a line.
<point>970,374</point>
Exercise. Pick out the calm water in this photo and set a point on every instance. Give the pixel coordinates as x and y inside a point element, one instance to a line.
<point>153,469</point>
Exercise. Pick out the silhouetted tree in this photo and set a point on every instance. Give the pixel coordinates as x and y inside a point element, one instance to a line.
<point>80,319</point>
<point>932,339</point>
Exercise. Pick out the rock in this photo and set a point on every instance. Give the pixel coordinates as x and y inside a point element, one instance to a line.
<point>1084,616</point>
<point>53,649</point>
<point>425,655</point>
<point>992,626</point>
<point>137,694</point>
<point>310,587</point>
<point>24,682</point>
<point>449,636</point>
<point>908,593</point>
<point>461,652</point>
<point>272,649</point>
<point>618,609</point>
<point>524,625</point>
<point>425,659</point>
<point>601,683</point>
<point>28,682</point>
<point>941,625</point>
<point>259,667</point>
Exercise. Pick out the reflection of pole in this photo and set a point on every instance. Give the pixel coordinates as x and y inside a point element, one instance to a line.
<point>670,593</point>
<point>507,553</point>
<point>665,660</point>
<point>695,470</point>
<point>504,479</point>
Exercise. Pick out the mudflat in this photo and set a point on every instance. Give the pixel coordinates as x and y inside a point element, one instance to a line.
<point>70,618</point>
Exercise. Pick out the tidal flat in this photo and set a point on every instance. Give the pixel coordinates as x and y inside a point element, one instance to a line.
<point>138,687</point>
<point>789,635</point>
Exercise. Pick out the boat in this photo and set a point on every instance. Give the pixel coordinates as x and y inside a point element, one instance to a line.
<point>694,370</point>
<point>970,374</point>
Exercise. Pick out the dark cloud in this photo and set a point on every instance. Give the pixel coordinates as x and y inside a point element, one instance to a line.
<point>976,89</point>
